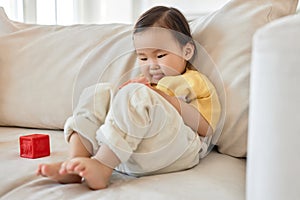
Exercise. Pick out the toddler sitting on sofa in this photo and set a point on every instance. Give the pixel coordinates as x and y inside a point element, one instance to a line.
<point>156,123</point>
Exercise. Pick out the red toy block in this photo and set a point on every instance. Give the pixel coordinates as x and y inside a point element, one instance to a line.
<point>34,146</point>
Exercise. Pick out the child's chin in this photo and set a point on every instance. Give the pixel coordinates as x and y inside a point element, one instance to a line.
<point>154,81</point>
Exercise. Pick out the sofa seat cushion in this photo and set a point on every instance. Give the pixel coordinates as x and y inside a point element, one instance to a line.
<point>217,176</point>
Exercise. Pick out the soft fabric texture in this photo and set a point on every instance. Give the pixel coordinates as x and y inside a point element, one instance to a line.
<point>273,167</point>
<point>140,126</point>
<point>45,68</point>
<point>226,35</point>
<point>218,176</point>
<point>5,24</point>
<point>195,89</point>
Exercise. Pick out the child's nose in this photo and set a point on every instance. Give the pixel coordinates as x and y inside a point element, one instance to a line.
<point>153,64</point>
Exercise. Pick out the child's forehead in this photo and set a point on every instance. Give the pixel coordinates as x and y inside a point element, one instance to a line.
<point>156,38</point>
<point>149,51</point>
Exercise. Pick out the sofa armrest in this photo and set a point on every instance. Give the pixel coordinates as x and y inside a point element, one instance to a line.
<point>273,166</point>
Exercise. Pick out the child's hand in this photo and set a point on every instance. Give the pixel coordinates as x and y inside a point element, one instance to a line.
<point>142,80</point>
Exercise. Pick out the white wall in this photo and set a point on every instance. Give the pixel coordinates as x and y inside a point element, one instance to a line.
<point>190,8</point>
<point>98,11</point>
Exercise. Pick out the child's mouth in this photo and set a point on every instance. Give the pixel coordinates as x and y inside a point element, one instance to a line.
<point>157,76</point>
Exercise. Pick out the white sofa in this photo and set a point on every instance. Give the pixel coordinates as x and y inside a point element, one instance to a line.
<point>44,69</point>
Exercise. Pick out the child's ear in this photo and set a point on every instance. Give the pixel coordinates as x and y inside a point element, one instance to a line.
<point>188,51</point>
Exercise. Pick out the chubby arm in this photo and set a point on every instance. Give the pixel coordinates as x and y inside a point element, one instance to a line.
<point>190,115</point>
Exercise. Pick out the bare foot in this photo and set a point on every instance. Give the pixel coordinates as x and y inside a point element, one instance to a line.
<point>95,174</point>
<point>52,171</point>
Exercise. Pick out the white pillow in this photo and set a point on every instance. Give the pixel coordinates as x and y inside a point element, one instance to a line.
<point>45,68</point>
<point>226,34</point>
<point>5,25</point>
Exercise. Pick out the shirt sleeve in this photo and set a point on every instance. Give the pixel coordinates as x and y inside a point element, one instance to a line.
<point>196,89</point>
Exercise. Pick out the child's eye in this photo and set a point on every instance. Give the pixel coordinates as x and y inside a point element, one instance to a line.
<point>161,55</point>
<point>143,59</point>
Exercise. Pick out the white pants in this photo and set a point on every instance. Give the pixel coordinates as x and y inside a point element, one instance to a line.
<point>143,130</point>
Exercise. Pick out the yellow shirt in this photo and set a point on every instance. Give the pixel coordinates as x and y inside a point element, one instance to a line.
<point>196,89</point>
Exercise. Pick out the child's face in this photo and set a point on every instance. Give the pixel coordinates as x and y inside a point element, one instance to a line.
<point>159,55</point>
<point>157,63</point>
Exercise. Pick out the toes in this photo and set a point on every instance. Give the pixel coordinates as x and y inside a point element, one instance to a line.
<point>38,172</point>
<point>73,166</point>
<point>79,167</point>
<point>45,170</point>
<point>63,170</point>
<point>41,170</point>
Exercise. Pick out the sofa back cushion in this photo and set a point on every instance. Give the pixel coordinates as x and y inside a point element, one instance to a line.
<point>227,34</point>
<point>45,68</point>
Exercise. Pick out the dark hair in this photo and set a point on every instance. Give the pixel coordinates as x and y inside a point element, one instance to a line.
<point>166,17</point>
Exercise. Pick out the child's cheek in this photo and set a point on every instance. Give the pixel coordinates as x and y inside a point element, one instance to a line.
<point>145,71</point>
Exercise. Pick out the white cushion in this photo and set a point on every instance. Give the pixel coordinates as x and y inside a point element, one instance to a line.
<point>227,36</point>
<point>45,68</point>
<point>273,153</point>
<point>5,25</point>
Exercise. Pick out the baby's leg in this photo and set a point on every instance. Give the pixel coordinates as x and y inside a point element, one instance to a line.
<point>54,171</point>
<point>95,174</point>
